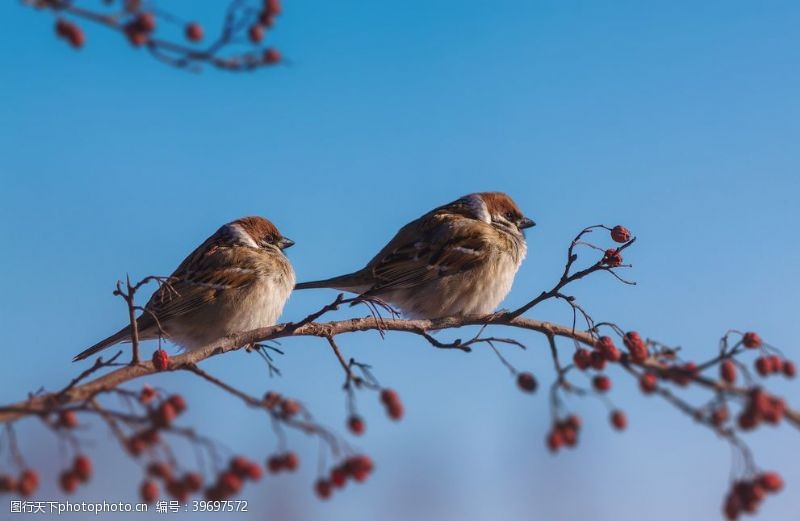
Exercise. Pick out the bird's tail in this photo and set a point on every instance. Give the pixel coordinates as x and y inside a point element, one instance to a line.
<point>120,336</point>
<point>348,282</point>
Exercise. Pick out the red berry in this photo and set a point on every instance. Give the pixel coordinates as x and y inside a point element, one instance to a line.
<point>598,360</point>
<point>526,382</point>
<point>290,461</point>
<point>272,56</point>
<point>573,421</point>
<point>607,348</point>
<point>775,363</point>
<point>338,477</point>
<point>612,258</point>
<point>230,482</point>
<point>648,383</point>
<point>177,401</point>
<point>391,400</point>
<point>147,394</point>
<point>70,32</point>
<point>136,445</point>
<point>763,366</point>
<point>239,465</point>
<point>389,396</point>
<point>789,369</point>
<point>28,482</point>
<point>290,407</point>
<point>582,358</point>
<point>273,7</point>
<point>771,481</point>
<point>727,371</point>
<point>620,234</point>
<point>68,481</point>
<point>194,32</point>
<point>395,411</point>
<point>7,483</point>
<point>619,420</point>
<point>719,416</point>
<point>146,22</point>
<point>148,491</point>
<point>747,420</point>
<point>164,414</point>
<point>68,419</point>
<point>177,490</point>
<point>554,440</point>
<point>356,425</point>
<point>274,464</point>
<point>323,488</point>
<point>602,383</point>
<point>160,360</point>
<point>82,466</point>
<point>256,33</point>
<point>193,481</point>
<point>751,340</point>
<point>254,472</point>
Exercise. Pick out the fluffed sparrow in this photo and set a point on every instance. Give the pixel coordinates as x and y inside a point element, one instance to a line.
<point>237,280</point>
<point>459,259</point>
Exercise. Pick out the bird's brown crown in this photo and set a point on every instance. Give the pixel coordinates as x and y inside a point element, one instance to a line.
<point>258,228</point>
<point>499,203</point>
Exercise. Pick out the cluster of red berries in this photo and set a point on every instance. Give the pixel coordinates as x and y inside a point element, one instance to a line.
<point>391,401</point>
<point>527,382</point>
<point>70,32</point>
<point>80,472</point>
<point>746,495</point>
<point>160,360</point>
<point>25,485</point>
<point>139,28</point>
<point>773,364</point>
<point>285,407</point>
<point>288,461</point>
<point>357,468</point>
<point>230,481</point>
<point>564,433</point>
<point>178,487</point>
<point>161,417</point>
<point>761,407</point>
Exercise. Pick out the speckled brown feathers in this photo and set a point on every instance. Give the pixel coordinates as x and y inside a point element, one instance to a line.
<point>238,279</point>
<point>457,259</point>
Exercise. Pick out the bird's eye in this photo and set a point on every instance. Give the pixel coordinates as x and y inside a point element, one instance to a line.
<point>511,216</point>
<point>269,239</point>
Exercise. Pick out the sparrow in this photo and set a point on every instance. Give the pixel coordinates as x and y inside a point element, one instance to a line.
<point>237,280</point>
<point>458,259</point>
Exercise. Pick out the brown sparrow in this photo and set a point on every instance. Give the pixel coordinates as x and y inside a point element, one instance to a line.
<point>459,259</point>
<point>237,280</point>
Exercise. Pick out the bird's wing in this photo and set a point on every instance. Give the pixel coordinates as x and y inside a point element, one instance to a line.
<point>433,247</point>
<point>207,271</point>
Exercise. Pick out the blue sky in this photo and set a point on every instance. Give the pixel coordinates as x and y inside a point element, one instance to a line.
<point>678,119</point>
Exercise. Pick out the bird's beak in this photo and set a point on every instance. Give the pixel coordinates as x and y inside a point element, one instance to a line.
<point>285,243</point>
<point>526,223</point>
